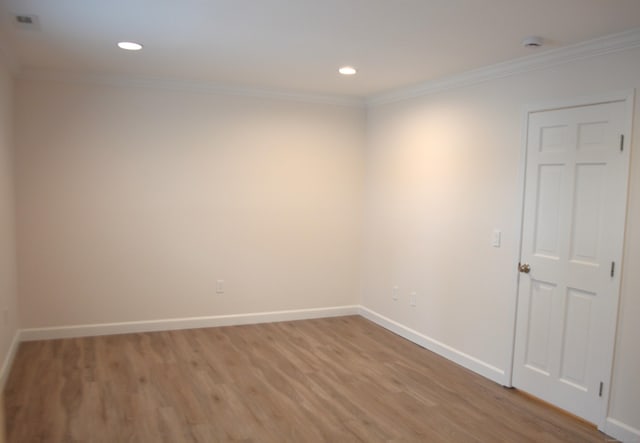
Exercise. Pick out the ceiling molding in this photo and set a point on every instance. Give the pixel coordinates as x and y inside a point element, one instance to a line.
<point>187,86</point>
<point>591,48</point>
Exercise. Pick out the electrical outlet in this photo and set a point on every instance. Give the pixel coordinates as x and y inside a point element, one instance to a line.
<point>220,287</point>
<point>413,299</point>
<point>496,238</point>
<point>394,292</point>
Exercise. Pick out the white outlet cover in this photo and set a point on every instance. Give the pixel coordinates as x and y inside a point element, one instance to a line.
<point>496,238</point>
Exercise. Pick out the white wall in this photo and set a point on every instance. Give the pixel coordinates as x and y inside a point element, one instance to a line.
<point>8,291</point>
<point>132,202</point>
<point>442,173</point>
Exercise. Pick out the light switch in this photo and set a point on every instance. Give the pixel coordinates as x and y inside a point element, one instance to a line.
<point>496,238</point>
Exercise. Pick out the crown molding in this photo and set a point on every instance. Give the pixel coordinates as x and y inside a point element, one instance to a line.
<point>186,86</point>
<point>591,48</point>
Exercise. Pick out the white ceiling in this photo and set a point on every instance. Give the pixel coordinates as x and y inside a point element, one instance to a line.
<point>298,45</point>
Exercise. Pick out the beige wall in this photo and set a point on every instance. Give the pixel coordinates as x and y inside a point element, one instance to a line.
<point>132,202</point>
<point>442,173</point>
<point>8,291</point>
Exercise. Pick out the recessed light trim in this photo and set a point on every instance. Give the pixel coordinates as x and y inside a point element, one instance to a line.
<point>130,46</point>
<point>347,70</point>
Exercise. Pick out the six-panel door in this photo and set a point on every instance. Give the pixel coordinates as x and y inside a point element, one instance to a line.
<point>575,203</point>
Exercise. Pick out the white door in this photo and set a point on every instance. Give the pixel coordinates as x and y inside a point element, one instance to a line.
<point>573,226</point>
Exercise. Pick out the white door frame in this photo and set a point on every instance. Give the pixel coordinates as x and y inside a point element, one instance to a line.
<point>627,96</point>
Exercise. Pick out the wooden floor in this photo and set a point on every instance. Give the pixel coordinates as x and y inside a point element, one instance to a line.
<point>336,380</point>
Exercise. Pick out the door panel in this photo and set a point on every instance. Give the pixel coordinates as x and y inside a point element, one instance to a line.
<point>550,183</point>
<point>573,225</point>
<point>588,214</point>
<point>538,333</point>
<point>576,338</point>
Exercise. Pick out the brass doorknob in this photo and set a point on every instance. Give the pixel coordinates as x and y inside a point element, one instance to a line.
<point>524,268</point>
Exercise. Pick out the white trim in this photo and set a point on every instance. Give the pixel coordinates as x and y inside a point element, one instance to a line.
<point>591,48</point>
<point>188,86</point>
<point>626,96</point>
<point>621,431</point>
<point>8,360</point>
<point>513,301</point>
<point>183,323</point>
<point>472,363</point>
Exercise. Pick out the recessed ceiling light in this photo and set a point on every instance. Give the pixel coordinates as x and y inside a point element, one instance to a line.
<point>130,46</point>
<point>347,70</point>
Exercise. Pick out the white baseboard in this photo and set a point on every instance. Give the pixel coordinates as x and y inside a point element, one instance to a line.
<point>183,323</point>
<point>459,357</point>
<point>8,360</point>
<point>621,431</point>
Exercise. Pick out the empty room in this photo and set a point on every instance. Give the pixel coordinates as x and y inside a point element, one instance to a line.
<point>319,221</point>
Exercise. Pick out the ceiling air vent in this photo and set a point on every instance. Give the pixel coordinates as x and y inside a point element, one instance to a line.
<point>532,42</point>
<point>27,21</point>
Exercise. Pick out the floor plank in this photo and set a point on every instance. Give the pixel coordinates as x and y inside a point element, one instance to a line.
<point>328,380</point>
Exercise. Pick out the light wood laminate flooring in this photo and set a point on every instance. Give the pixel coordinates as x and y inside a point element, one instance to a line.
<point>327,380</point>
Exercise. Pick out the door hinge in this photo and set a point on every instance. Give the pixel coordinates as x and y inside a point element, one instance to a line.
<point>621,142</point>
<point>601,388</point>
<point>613,268</point>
